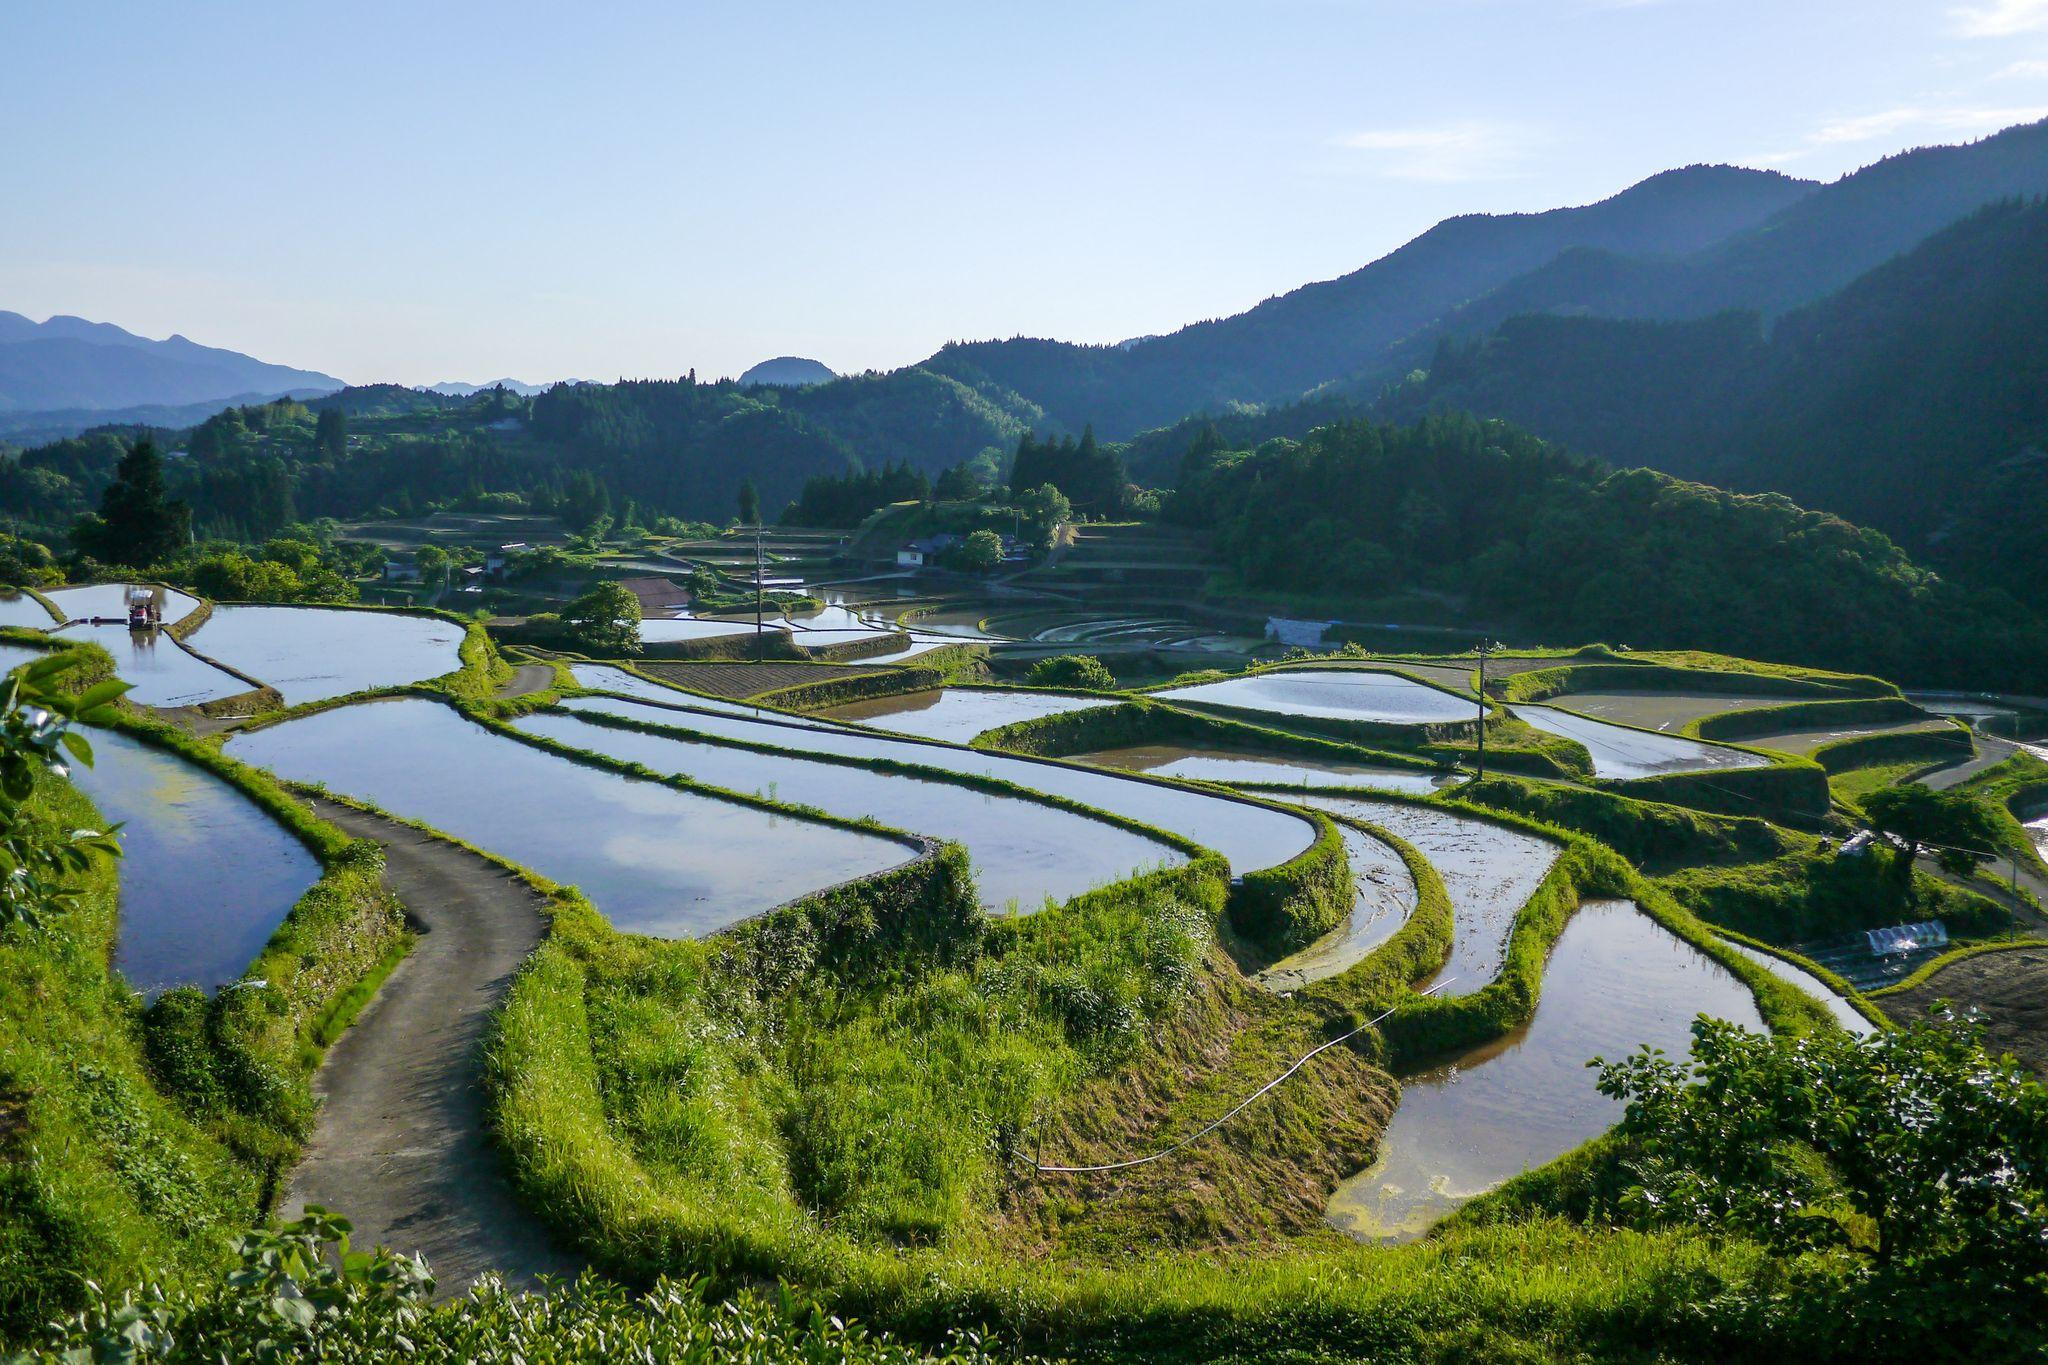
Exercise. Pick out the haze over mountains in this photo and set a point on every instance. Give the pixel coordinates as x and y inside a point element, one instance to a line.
<point>1869,346</point>
<point>70,363</point>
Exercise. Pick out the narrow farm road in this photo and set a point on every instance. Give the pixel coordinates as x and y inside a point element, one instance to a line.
<point>400,1147</point>
<point>528,679</point>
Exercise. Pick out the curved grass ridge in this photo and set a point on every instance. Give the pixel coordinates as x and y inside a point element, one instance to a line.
<point>1760,721</point>
<point>1428,1027</point>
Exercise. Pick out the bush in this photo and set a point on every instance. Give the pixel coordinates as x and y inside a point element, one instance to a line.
<point>604,621</point>
<point>1072,670</point>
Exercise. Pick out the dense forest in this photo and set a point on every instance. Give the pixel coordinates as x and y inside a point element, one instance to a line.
<point>1526,532</point>
<point>1915,400</point>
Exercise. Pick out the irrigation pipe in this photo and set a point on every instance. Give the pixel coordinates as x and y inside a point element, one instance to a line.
<point>1242,1105</point>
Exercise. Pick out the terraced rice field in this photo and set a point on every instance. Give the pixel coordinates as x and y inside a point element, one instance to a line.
<point>1615,980</point>
<point>1488,871</point>
<point>1025,854</point>
<point>1250,836</point>
<point>1621,754</point>
<point>1336,694</point>
<point>655,860</point>
<point>958,714</point>
<point>1383,897</point>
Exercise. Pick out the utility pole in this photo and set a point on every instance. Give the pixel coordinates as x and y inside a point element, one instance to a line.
<point>758,571</point>
<point>1486,647</point>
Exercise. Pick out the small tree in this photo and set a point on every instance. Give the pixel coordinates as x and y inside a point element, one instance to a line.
<point>432,560</point>
<point>138,523</point>
<point>1954,825</point>
<point>330,432</point>
<point>1913,1162</point>
<point>978,553</point>
<point>750,503</point>
<point>1072,670</point>
<point>604,621</point>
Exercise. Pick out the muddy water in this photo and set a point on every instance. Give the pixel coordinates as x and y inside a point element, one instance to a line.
<point>309,653</point>
<point>653,859</point>
<point>1342,694</point>
<point>1844,1013</point>
<point>163,674</point>
<point>19,609</point>
<point>14,656</point>
<point>1249,836</point>
<point>1237,765</point>
<point>1025,854</point>
<point>957,714</point>
<point>206,875</point>
<point>1487,871</point>
<point>1615,980</point>
<point>110,600</point>
<point>1620,753</point>
<point>1383,898</point>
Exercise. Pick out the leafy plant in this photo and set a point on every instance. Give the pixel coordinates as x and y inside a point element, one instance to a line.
<point>36,863</point>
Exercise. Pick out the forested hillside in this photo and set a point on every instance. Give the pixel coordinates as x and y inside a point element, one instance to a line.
<point>1331,329</point>
<point>1524,532</point>
<point>1915,400</point>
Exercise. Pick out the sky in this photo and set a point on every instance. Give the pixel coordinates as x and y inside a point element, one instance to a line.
<point>415,193</point>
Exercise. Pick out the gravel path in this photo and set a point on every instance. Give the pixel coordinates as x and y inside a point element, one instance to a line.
<point>401,1147</point>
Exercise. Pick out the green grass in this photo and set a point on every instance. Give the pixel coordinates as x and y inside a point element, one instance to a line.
<point>102,1177</point>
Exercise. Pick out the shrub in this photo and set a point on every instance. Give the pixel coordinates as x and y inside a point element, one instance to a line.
<point>1072,670</point>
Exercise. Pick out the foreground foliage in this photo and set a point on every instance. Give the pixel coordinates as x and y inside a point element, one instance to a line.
<point>302,1294</point>
<point>1908,1170</point>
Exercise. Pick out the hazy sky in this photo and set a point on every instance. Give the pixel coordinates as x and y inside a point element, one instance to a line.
<point>449,191</point>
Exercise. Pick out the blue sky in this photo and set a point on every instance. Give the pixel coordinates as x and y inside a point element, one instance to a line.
<point>449,191</point>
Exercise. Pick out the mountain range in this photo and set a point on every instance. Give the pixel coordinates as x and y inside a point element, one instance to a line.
<point>69,363</point>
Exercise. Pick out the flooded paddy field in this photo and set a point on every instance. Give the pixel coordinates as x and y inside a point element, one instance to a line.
<point>1620,753</point>
<point>1844,1013</point>
<point>656,629</point>
<point>1488,871</point>
<point>1251,837</point>
<point>958,714</point>
<point>1273,770</point>
<point>110,600</point>
<point>1024,853</point>
<point>1806,741</point>
<point>1383,897</point>
<point>1615,980</point>
<point>653,859</point>
<point>605,678</point>
<point>312,653</point>
<point>1336,694</point>
<point>206,874</point>
<point>163,673</point>
<point>19,609</point>
<point>1665,710</point>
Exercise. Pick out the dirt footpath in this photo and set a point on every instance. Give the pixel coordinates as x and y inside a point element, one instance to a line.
<point>2009,990</point>
<point>528,679</point>
<point>400,1147</point>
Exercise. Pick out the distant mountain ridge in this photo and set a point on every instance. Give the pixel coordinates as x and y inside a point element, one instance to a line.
<point>453,388</point>
<point>71,363</point>
<point>1319,332</point>
<point>789,371</point>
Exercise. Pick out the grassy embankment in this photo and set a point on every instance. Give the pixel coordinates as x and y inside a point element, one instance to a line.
<point>658,1207</point>
<point>147,1138</point>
